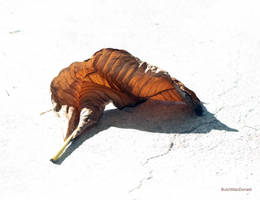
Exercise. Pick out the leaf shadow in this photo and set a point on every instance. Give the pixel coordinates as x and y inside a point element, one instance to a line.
<point>152,116</point>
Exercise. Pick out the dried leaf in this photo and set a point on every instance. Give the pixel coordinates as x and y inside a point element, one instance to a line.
<point>113,75</point>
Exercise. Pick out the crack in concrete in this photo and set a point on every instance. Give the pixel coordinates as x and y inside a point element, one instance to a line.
<point>229,89</point>
<point>147,178</point>
<point>141,182</point>
<point>159,155</point>
<point>8,94</point>
<point>246,126</point>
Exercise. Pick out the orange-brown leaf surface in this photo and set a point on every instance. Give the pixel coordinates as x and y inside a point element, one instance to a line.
<point>113,75</point>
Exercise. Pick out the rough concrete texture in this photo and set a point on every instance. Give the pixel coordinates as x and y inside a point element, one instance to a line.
<point>153,151</point>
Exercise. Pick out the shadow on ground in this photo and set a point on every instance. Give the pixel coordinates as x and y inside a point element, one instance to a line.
<point>157,117</point>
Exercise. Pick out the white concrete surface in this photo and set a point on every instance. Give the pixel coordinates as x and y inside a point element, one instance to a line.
<point>147,152</point>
